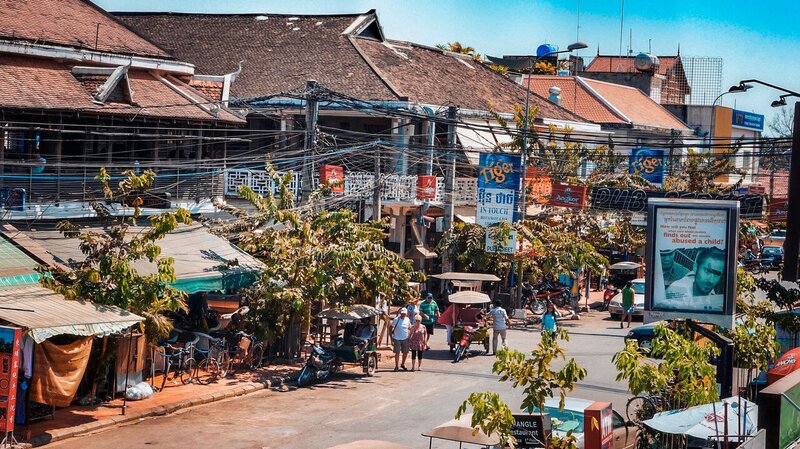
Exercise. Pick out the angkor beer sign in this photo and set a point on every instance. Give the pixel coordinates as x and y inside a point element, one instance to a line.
<point>635,200</point>
<point>566,195</point>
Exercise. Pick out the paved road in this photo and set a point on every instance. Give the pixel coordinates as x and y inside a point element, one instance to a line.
<point>391,406</point>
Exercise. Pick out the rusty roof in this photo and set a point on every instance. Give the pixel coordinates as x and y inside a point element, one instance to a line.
<point>609,63</point>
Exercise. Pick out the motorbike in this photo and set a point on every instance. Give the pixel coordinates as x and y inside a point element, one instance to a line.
<point>609,294</point>
<point>463,343</point>
<point>318,365</point>
<point>757,266</point>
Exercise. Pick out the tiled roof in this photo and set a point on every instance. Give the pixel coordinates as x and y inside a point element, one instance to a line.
<point>608,63</point>
<point>280,53</point>
<point>432,76</point>
<point>72,23</point>
<point>211,89</point>
<point>33,83</point>
<point>607,103</point>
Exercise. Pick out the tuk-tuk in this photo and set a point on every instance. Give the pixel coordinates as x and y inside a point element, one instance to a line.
<point>356,344</point>
<point>461,431</point>
<point>466,314</point>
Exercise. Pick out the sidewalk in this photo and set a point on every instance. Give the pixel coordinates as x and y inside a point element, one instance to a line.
<point>76,420</point>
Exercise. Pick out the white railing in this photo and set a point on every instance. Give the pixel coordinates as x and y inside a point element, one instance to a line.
<point>399,188</point>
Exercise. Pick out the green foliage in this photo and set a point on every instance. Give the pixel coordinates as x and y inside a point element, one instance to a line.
<point>684,374</point>
<point>544,68</point>
<point>321,256</point>
<point>499,69</point>
<point>107,276</point>
<point>535,375</point>
<point>786,299</point>
<point>705,172</point>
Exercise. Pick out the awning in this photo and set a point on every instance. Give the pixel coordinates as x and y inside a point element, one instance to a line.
<point>477,137</point>
<point>203,261</point>
<point>469,219</point>
<point>46,314</point>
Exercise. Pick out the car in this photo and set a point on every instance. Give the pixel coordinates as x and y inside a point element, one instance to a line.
<point>644,335</point>
<point>615,306</point>
<point>772,253</point>
<point>571,418</point>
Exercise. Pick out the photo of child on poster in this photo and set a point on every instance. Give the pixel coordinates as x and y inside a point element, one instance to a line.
<point>690,265</point>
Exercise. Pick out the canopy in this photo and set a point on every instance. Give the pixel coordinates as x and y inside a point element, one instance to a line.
<point>370,444</point>
<point>477,138</point>
<point>784,366</point>
<point>47,314</point>
<point>469,297</point>
<point>355,312</point>
<point>456,276</point>
<point>461,430</point>
<point>625,266</point>
<point>708,420</point>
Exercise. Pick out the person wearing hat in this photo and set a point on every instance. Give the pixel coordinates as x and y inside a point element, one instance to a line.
<point>400,329</point>
<point>430,312</point>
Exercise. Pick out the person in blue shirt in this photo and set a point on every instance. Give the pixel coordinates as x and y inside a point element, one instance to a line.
<point>549,325</point>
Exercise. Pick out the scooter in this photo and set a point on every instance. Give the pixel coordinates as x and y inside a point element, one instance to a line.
<point>318,366</point>
<point>463,344</point>
<point>609,294</point>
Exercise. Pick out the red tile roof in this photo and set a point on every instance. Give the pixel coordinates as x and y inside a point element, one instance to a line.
<point>33,83</point>
<point>607,103</point>
<point>72,23</point>
<point>607,63</point>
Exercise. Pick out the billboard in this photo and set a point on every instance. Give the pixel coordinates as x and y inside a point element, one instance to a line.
<point>691,260</point>
<point>426,187</point>
<point>747,120</point>
<point>778,208</point>
<point>635,200</point>
<point>498,188</point>
<point>333,176</point>
<point>566,195</point>
<point>648,163</point>
<point>538,184</point>
<point>496,244</point>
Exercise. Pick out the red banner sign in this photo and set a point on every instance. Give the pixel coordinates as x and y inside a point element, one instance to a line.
<point>10,340</point>
<point>333,176</point>
<point>538,184</point>
<point>778,207</point>
<point>426,187</point>
<point>566,195</point>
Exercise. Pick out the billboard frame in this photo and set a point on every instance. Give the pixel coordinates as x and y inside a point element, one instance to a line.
<point>723,318</point>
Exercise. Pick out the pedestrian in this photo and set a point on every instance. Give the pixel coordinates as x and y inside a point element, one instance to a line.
<point>499,325</point>
<point>448,319</point>
<point>430,312</point>
<point>549,325</point>
<point>413,309</point>
<point>417,342</point>
<point>400,327</point>
<point>627,304</point>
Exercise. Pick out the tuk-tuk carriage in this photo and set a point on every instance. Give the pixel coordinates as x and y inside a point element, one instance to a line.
<point>466,314</point>
<point>356,342</point>
<point>461,431</point>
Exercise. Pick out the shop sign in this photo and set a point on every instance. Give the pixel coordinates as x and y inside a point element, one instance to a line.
<point>538,184</point>
<point>498,186</point>
<point>10,340</point>
<point>635,200</point>
<point>748,120</point>
<point>598,426</point>
<point>332,176</point>
<point>778,208</point>
<point>494,244</point>
<point>566,195</point>
<point>531,430</point>
<point>648,163</point>
<point>426,187</point>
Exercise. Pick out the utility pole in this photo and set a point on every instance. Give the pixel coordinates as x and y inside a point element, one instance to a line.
<point>310,141</point>
<point>792,244</point>
<point>450,181</point>
<point>376,191</point>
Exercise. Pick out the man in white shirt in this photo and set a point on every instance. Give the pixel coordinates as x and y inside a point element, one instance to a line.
<point>400,327</point>
<point>499,325</point>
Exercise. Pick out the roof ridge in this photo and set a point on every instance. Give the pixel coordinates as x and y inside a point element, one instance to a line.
<point>165,54</point>
<point>352,39</point>
<point>246,14</point>
<point>602,100</point>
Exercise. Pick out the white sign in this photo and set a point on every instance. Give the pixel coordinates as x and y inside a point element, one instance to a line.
<point>494,206</point>
<point>497,245</point>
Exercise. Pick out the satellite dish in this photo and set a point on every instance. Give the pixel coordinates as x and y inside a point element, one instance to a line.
<point>645,62</point>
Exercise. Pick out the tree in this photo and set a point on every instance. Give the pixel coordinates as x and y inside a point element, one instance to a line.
<point>786,299</point>
<point>544,68</point>
<point>539,380</point>
<point>782,123</point>
<point>107,276</point>
<point>705,172</point>
<point>456,47</point>
<point>311,259</point>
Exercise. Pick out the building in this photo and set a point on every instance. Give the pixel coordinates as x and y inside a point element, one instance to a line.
<point>663,78</point>
<point>80,91</point>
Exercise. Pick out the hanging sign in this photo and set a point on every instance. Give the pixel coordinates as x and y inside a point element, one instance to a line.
<point>635,200</point>
<point>498,186</point>
<point>333,176</point>
<point>648,163</point>
<point>566,195</point>
<point>538,184</point>
<point>778,208</point>
<point>531,430</point>
<point>426,187</point>
<point>10,340</point>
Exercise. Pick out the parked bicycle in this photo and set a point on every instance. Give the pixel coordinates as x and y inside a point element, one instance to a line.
<point>179,363</point>
<point>246,351</point>
<point>215,362</point>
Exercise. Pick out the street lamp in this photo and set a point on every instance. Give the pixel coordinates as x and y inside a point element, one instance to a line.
<point>741,87</point>
<point>526,127</point>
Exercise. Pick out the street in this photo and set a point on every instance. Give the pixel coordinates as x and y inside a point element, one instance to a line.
<point>390,406</point>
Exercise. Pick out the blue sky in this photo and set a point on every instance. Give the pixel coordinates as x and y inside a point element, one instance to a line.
<point>755,39</point>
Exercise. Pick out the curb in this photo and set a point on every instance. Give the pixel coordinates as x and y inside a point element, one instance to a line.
<point>162,410</point>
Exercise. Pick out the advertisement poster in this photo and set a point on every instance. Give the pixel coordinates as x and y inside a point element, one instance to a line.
<point>565,195</point>
<point>691,246</point>
<point>778,208</point>
<point>10,340</point>
<point>498,188</point>
<point>648,163</point>
<point>332,175</point>
<point>426,187</point>
<point>538,185</point>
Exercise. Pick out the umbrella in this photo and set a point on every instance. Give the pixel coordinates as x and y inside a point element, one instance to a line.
<point>370,444</point>
<point>625,266</point>
<point>785,365</point>
<point>468,297</point>
<point>456,276</point>
<point>461,430</point>
<point>708,420</point>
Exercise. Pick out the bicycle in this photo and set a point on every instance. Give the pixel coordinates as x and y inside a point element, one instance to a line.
<point>248,351</point>
<point>182,358</point>
<point>216,361</point>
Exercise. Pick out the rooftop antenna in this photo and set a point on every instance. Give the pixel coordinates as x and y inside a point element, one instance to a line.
<point>650,46</point>
<point>630,41</point>
<point>578,30</point>
<point>621,31</point>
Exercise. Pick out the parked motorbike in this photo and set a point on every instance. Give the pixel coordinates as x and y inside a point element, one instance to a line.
<point>319,365</point>
<point>609,294</point>
<point>757,266</point>
<point>462,346</point>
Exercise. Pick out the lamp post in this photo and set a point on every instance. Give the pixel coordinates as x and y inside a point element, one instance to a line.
<point>733,90</point>
<point>526,127</point>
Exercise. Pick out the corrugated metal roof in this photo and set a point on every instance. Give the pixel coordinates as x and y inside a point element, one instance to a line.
<point>14,262</point>
<point>46,313</point>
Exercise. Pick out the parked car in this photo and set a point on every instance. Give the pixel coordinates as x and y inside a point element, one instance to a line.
<point>615,306</point>
<point>644,335</point>
<point>571,418</point>
<point>773,254</point>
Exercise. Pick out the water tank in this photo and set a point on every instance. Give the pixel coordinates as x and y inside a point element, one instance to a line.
<point>555,95</point>
<point>545,49</point>
<point>645,62</point>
